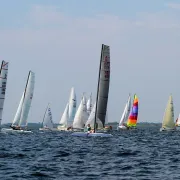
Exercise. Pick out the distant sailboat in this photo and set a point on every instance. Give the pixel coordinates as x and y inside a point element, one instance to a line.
<point>133,116</point>
<point>125,115</point>
<point>72,106</point>
<point>47,123</point>
<point>63,123</point>
<point>89,105</point>
<point>81,116</point>
<point>20,119</point>
<point>168,119</point>
<point>3,82</point>
<point>178,123</point>
<point>102,93</point>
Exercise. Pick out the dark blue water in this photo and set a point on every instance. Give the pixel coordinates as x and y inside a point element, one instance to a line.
<point>139,154</point>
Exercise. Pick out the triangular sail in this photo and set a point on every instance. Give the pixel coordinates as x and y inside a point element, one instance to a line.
<point>89,105</point>
<point>25,102</point>
<point>47,121</point>
<point>126,112</point>
<point>132,120</point>
<point>91,118</point>
<point>81,115</point>
<point>65,116</point>
<point>168,119</point>
<point>3,82</point>
<point>72,106</point>
<point>103,85</point>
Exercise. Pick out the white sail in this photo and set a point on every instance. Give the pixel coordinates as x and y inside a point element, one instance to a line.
<point>47,121</point>
<point>81,115</point>
<point>65,116</point>
<point>126,112</point>
<point>3,82</point>
<point>72,106</point>
<point>89,105</point>
<point>168,119</point>
<point>91,119</point>
<point>25,102</point>
<point>178,120</point>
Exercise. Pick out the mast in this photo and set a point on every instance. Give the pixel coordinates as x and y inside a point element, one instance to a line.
<point>98,90</point>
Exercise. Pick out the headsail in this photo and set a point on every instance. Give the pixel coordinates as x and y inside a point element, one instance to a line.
<point>126,112</point>
<point>47,120</point>
<point>3,82</point>
<point>168,119</point>
<point>65,117</point>
<point>132,120</point>
<point>72,106</point>
<point>25,102</point>
<point>103,85</point>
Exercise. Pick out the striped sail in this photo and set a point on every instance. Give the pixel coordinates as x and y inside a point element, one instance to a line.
<point>103,84</point>
<point>47,120</point>
<point>3,82</point>
<point>168,119</point>
<point>25,102</point>
<point>65,117</point>
<point>132,120</point>
<point>72,106</point>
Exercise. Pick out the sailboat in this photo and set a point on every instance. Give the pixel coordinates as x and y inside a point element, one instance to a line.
<point>20,120</point>
<point>3,82</point>
<point>81,116</point>
<point>102,93</point>
<point>63,123</point>
<point>47,123</point>
<point>178,123</point>
<point>133,116</point>
<point>89,105</point>
<point>168,119</point>
<point>125,115</point>
<point>72,107</point>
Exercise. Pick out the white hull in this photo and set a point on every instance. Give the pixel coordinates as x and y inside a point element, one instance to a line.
<point>45,129</point>
<point>86,134</point>
<point>15,131</point>
<point>167,129</point>
<point>122,128</point>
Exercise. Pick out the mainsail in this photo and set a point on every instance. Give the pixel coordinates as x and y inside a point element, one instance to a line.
<point>168,119</point>
<point>25,102</point>
<point>72,106</point>
<point>132,120</point>
<point>103,85</point>
<point>65,117</point>
<point>81,115</point>
<point>89,105</point>
<point>47,120</point>
<point>126,112</point>
<point>3,82</point>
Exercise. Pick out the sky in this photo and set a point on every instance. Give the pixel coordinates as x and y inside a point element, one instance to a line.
<point>61,42</point>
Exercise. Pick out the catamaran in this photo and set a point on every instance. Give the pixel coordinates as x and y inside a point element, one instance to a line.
<point>178,123</point>
<point>3,82</point>
<point>20,120</point>
<point>125,115</point>
<point>47,123</point>
<point>168,119</point>
<point>102,93</point>
<point>133,116</point>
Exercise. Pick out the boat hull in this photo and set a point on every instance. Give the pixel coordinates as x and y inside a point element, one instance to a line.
<point>86,134</point>
<point>15,131</point>
<point>167,129</point>
<point>122,128</point>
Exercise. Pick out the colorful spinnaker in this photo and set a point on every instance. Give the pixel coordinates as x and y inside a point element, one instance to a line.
<point>132,120</point>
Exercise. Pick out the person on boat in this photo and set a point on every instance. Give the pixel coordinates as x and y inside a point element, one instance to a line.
<point>89,128</point>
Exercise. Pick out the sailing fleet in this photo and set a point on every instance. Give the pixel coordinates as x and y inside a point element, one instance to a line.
<point>75,118</point>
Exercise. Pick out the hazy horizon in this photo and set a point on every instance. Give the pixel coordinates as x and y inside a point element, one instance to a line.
<point>61,42</point>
